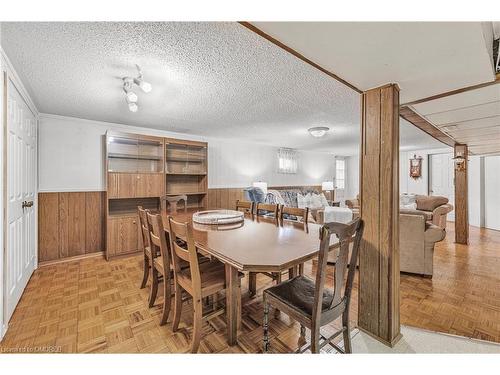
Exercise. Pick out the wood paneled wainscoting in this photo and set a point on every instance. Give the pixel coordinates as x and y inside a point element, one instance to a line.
<point>70,224</point>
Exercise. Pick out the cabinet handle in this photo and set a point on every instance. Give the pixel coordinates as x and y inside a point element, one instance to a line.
<point>133,222</point>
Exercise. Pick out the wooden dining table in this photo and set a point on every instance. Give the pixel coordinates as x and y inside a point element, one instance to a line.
<point>258,244</point>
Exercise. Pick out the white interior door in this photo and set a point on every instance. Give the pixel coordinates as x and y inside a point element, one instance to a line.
<point>441,177</point>
<point>21,162</point>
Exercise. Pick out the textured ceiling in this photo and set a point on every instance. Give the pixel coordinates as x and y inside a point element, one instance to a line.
<point>212,79</point>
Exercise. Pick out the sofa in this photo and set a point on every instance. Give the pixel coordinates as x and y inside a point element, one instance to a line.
<point>417,238</point>
<point>434,208</point>
<point>290,197</point>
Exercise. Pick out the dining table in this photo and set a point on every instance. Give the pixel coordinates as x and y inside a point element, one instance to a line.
<point>257,244</point>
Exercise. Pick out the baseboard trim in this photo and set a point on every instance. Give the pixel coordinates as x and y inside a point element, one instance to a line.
<point>71,259</point>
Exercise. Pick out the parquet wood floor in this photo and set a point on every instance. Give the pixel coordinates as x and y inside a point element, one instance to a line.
<point>94,306</point>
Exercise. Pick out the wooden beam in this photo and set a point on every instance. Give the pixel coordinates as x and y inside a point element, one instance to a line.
<point>461,195</point>
<point>297,54</point>
<point>413,117</point>
<point>454,92</point>
<point>379,186</point>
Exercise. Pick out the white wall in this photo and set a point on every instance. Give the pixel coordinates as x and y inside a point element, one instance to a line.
<point>475,189</point>
<point>352,177</point>
<point>491,195</point>
<point>71,158</point>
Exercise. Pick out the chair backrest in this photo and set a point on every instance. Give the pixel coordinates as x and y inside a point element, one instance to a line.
<point>245,206</point>
<point>183,249</point>
<point>294,211</point>
<point>263,209</point>
<point>346,234</point>
<point>158,239</point>
<point>143,221</point>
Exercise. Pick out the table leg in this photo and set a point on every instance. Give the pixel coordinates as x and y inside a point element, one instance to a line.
<point>233,301</point>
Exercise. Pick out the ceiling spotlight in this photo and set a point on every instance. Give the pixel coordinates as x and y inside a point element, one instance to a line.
<point>145,86</point>
<point>130,95</point>
<point>128,84</point>
<point>318,131</point>
<point>139,81</point>
<point>133,107</point>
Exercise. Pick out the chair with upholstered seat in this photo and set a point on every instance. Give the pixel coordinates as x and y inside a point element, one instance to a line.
<point>309,301</point>
<point>199,280</point>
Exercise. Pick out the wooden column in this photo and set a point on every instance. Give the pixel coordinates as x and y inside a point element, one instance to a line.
<point>379,256</point>
<point>461,194</point>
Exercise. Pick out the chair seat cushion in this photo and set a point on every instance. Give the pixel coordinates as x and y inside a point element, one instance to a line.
<point>298,293</point>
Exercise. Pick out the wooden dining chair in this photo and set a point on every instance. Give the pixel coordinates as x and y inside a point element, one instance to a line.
<point>199,280</point>
<point>286,212</point>
<point>283,213</point>
<point>161,264</point>
<point>245,206</point>
<point>310,302</point>
<point>145,245</point>
<point>268,210</point>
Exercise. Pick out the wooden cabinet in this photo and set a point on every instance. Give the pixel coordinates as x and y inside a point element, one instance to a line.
<point>186,170</point>
<point>123,235</point>
<point>135,185</point>
<point>135,177</point>
<point>141,171</point>
<point>149,184</point>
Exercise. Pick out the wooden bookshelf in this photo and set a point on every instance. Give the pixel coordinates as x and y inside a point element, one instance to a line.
<point>186,170</point>
<point>135,177</point>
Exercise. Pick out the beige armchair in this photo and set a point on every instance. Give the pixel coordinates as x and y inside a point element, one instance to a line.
<point>416,243</point>
<point>434,208</point>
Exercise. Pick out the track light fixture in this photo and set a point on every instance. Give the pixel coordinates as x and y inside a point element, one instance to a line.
<point>128,84</point>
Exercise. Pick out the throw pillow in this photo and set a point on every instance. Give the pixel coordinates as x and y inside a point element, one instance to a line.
<point>315,202</point>
<point>324,201</point>
<point>303,201</point>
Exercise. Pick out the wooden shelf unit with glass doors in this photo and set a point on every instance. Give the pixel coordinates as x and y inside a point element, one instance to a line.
<point>186,170</point>
<point>135,177</point>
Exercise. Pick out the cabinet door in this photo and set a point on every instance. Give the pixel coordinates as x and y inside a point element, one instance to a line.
<point>149,185</point>
<point>113,228</point>
<point>126,185</point>
<point>128,236</point>
<point>113,185</point>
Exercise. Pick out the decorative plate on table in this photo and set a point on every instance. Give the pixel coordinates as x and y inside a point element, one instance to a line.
<point>218,217</point>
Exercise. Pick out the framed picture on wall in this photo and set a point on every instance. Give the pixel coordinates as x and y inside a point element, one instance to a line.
<point>416,167</point>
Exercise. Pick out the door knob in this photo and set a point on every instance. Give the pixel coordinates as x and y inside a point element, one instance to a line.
<point>24,204</point>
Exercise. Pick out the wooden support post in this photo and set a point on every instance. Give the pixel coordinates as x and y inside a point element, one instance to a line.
<point>378,313</point>
<point>461,194</point>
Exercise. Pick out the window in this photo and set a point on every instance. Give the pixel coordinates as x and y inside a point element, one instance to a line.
<point>340,173</point>
<point>287,160</point>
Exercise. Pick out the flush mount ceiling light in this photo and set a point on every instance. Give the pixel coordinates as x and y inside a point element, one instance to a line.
<point>318,131</point>
<point>128,84</point>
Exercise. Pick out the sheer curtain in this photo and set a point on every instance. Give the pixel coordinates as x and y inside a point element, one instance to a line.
<point>287,160</point>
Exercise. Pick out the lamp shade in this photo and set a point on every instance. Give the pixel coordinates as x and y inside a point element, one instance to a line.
<point>327,186</point>
<point>261,185</point>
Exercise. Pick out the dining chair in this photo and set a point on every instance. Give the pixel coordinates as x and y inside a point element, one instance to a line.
<point>268,210</point>
<point>284,213</point>
<point>199,280</point>
<point>145,246</point>
<point>271,211</point>
<point>245,206</point>
<point>309,301</point>
<point>161,264</point>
